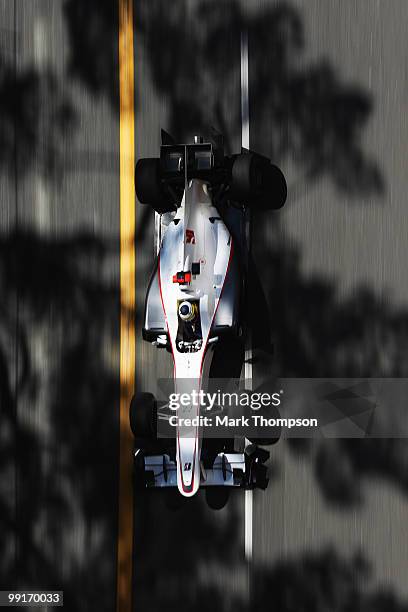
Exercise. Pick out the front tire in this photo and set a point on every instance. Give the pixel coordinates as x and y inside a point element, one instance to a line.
<point>274,433</point>
<point>143,416</point>
<point>217,497</point>
<point>264,441</point>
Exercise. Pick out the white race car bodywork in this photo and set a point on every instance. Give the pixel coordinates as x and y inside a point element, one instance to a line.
<point>194,260</point>
<point>197,297</point>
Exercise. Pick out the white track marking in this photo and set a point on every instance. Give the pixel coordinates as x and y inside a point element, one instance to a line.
<point>244,90</point>
<point>248,348</point>
<point>157,232</point>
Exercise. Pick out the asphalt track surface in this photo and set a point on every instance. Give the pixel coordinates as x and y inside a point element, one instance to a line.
<point>328,91</point>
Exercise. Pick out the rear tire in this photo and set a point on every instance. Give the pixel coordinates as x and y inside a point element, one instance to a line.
<point>256,182</point>
<point>143,416</point>
<point>149,189</point>
<point>276,189</point>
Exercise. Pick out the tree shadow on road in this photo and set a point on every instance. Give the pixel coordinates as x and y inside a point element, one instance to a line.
<point>59,433</point>
<point>322,581</point>
<point>35,116</point>
<point>172,545</point>
<point>318,335</point>
<point>304,112</point>
<point>93,34</point>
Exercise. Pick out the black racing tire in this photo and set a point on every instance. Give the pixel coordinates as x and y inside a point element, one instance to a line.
<point>149,189</point>
<point>274,434</point>
<point>246,173</point>
<point>217,497</point>
<point>264,441</point>
<point>143,416</point>
<point>261,476</point>
<point>256,182</point>
<point>276,190</point>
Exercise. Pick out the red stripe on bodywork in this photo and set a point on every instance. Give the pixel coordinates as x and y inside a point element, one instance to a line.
<point>188,488</point>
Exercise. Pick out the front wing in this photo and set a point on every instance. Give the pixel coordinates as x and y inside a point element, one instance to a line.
<point>240,470</point>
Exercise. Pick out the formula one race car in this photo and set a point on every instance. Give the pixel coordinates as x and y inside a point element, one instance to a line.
<point>194,299</point>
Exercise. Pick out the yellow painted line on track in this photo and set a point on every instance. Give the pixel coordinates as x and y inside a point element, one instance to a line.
<point>127,299</point>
